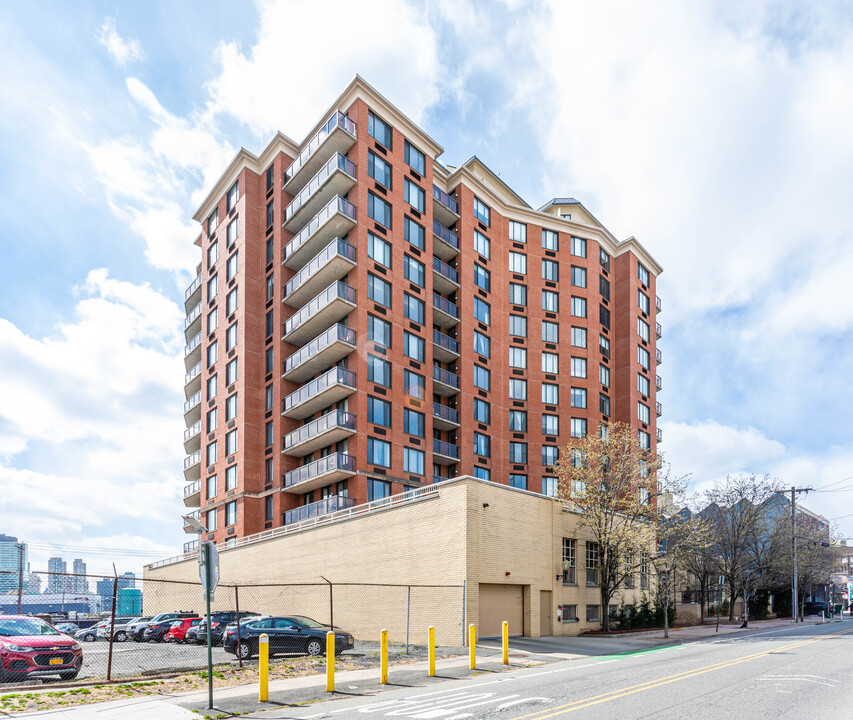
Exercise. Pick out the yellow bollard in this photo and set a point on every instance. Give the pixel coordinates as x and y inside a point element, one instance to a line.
<point>330,661</point>
<point>431,636</point>
<point>505,633</point>
<point>264,666</point>
<point>383,657</point>
<point>472,645</point>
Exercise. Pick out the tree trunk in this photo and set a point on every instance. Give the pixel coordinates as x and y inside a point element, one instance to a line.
<point>605,614</point>
<point>732,597</point>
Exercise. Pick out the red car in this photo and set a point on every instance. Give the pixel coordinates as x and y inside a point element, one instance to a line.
<point>178,631</point>
<point>30,647</point>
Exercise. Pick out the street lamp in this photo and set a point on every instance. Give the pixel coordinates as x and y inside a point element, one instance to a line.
<point>205,560</point>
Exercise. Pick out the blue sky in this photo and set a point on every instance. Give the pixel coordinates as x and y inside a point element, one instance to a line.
<point>718,135</point>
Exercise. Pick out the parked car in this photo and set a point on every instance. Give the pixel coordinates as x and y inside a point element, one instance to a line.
<point>120,631</point>
<point>218,622</point>
<point>67,628</point>
<point>294,634</point>
<point>30,647</point>
<point>137,632</point>
<point>89,634</point>
<point>178,629</point>
<point>815,608</point>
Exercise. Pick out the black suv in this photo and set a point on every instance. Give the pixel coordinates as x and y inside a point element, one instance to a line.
<point>292,635</point>
<point>218,622</point>
<point>815,608</point>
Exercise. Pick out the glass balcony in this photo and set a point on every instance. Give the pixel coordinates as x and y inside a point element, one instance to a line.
<point>190,547</point>
<point>444,207</point>
<point>658,409</point>
<point>192,323</point>
<point>321,392</point>
<point>658,357</point>
<point>325,430</point>
<point>336,177</point>
<point>658,382</point>
<point>658,330</point>
<point>332,263</point>
<point>192,466</point>
<point>320,473</point>
<point>192,437</point>
<point>445,313</point>
<point>334,220</point>
<point>444,347</point>
<point>196,515</point>
<point>337,135</point>
<point>192,296</point>
<point>444,382</point>
<point>657,303</point>
<point>445,279</point>
<point>327,308</point>
<point>192,380</point>
<point>443,417</point>
<point>192,409</point>
<point>444,243</point>
<point>192,352</point>
<point>322,352</point>
<point>192,494</point>
<point>444,453</point>
<point>660,435</point>
<point>328,505</point>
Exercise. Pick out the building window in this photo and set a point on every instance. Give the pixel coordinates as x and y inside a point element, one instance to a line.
<point>211,387</point>
<point>604,259</point>
<point>231,302</point>
<point>212,320</point>
<point>644,439</point>
<point>231,337</point>
<point>268,434</point>
<point>578,367</point>
<point>268,508</point>
<point>378,453</point>
<point>270,287</point>
<point>211,453</point>
<point>518,294</point>
<point>230,478</point>
<point>550,424</point>
<point>210,487</point>
<point>213,221</point>
<point>643,329</point>
<point>270,250</point>
<point>414,346</point>
<point>481,344</point>
<point>482,311</point>
<point>378,371</point>
<point>578,427</point>
<point>644,572</point>
<point>270,177</point>
<point>378,411</point>
<point>518,263</point>
<point>378,290</point>
<point>550,394</point>
<point>231,407</point>
<point>232,266</point>
<point>604,375</point>
<point>604,346</point>
<point>643,301</point>
<point>233,232</point>
<point>518,420</point>
<point>550,270</point>
<point>578,307</point>
<point>593,612</point>
<point>413,461</point>
<point>518,325</point>
<point>517,232</point>
<point>413,422</point>
<point>550,301</point>
<point>414,158</point>
<point>578,276</point>
<point>550,332</point>
<point>378,250</point>
<point>550,239</point>
<point>482,278</point>
<point>481,378</point>
<point>269,398</point>
<point>578,397</point>
<point>482,411</point>
<point>210,517</point>
<point>378,210</point>
<point>550,455</point>
<point>550,363</point>
<point>604,316</point>
<point>270,213</point>
<point>482,212</point>
<point>578,247</point>
<point>212,254</point>
<point>482,245</point>
<point>270,329</point>
<point>413,271</point>
<point>378,489</point>
<point>378,169</point>
<point>212,419</point>
<point>643,385</point>
<point>379,130</point>
<point>413,384</point>
<point>231,513</point>
<point>517,389</point>
<point>231,372</point>
<point>231,442</point>
<point>642,274</point>
<point>482,444</point>
<point>518,481</point>
<point>482,473</point>
<point>414,195</point>
<point>212,353</point>
<point>604,287</point>
<point>233,194</point>
<point>378,331</point>
<point>592,563</point>
<point>517,357</point>
<point>578,337</point>
<point>569,564</point>
<point>212,287</point>
<point>643,357</point>
<point>414,233</point>
<point>413,308</point>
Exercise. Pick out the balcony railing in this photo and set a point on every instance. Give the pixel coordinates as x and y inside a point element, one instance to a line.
<point>658,382</point>
<point>192,345</point>
<point>660,435</point>
<point>657,330</point>
<point>658,357</point>
<point>657,303</point>
<point>192,488</point>
<point>191,546</point>
<point>193,459</point>
<point>337,290</point>
<point>336,418</point>
<point>321,507</point>
<point>442,232</point>
<point>658,409</point>
<point>192,430</point>
<point>336,205</point>
<point>445,199</point>
<point>192,402</point>
<point>445,341</point>
<point>338,119</point>
<point>193,373</point>
<point>336,247</point>
<point>336,162</point>
<point>443,304</point>
<point>195,514</point>
<point>321,342</point>
<point>194,285</point>
<point>335,376</point>
<point>335,461</point>
<point>443,269</point>
<point>445,413</point>
<point>194,313</point>
<point>445,376</point>
<point>445,448</point>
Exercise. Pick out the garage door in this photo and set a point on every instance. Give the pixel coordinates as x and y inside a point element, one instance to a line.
<point>499,603</point>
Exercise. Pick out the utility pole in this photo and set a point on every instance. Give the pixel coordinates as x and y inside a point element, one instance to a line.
<point>794,605</point>
<point>20,574</point>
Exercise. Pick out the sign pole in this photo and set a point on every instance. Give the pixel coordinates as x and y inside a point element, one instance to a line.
<point>207,590</point>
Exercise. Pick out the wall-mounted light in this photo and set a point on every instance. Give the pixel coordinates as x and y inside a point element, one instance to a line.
<point>485,505</point>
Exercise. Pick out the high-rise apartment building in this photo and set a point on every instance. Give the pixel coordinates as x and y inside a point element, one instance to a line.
<point>366,320</point>
<point>13,559</point>
<point>79,584</point>
<point>57,579</point>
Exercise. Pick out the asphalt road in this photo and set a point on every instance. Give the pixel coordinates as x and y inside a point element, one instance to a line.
<point>786,673</point>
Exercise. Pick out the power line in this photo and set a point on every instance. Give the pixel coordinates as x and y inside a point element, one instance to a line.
<point>834,483</point>
<point>94,550</point>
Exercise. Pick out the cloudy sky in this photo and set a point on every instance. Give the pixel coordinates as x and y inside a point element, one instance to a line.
<point>717,133</point>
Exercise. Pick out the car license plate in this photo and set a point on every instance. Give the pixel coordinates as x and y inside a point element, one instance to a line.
<point>55,661</point>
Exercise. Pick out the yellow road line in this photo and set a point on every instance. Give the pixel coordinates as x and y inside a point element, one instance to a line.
<point>666,680</point>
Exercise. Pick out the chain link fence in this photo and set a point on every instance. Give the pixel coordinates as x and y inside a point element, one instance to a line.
<point>142,628</point>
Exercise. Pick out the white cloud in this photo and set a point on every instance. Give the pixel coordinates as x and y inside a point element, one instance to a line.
<point>122,51</point>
